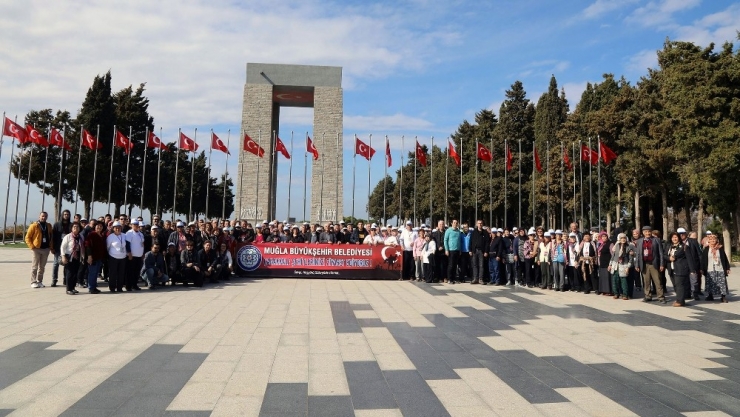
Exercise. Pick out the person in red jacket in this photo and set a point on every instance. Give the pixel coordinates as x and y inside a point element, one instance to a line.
<point>95,248</point>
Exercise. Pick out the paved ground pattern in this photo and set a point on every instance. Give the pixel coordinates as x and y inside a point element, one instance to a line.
<point>286,347</point>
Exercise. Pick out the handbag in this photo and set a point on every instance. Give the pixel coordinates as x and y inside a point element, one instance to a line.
<point>624,270</point>
<point>509,258</point>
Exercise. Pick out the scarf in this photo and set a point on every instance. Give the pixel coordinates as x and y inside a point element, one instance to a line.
<point>75,246</point>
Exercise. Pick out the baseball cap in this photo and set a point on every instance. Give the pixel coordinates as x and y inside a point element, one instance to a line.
<point>135,223</point>
<point>572,234</point>
<point>558,232</point>
<point>374,226</point>
<point>531,231</point>
<point>116,224</point>
<point>547,234</point>
<point>409,223</point>
<point>681,230</point>
<point>180,224</point>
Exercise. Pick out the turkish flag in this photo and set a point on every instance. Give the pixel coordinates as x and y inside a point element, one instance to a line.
<point>36,137</point>
<point>483,153</point>
<point>218,144</point>
<point>310,148</point>
<point>607,154</point>
<point>251,146</point>
<point>90,141</point>
<point>280,147</point>
<point>566,159</point>
<point>388,158</point>
<point>588,154</point>
<point>362,149</point>
<point>453,154</point>
<point>509,158</point>
<point>187,144</point>
<point>420,155</point>
<point>153,141</point>
<point>123,142</point>
<point>11,128</point>
<point>537,163</point>
<point>57,139</point>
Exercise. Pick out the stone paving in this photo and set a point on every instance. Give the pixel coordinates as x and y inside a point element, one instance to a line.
<point>287,347</point>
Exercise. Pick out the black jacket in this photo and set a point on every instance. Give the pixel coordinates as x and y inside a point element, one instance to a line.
<point>722,258</point>
<point>693,254</point>
<point>496,247</point>
<point>207,259</point>
<point>57,233</point>
<point>680,264</point>
<point>479,240</point>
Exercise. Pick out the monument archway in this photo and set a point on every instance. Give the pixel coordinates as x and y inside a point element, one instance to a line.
<point>268,88</point>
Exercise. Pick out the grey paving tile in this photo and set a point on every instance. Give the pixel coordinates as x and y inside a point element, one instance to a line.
<point>721,402</point>
<point>533,390</point>
<point>344,318</point>
<point>368,387</point>
<point>361,306</point>
<point>26,358</point>
<point>285,399</point>
<point>330,406</point>
<point>186,413</point>
<point>460,360</point>
<point>413,405</point>
<point>726,387</point>
<point>4,412</point>
<point>413,394</point>
<point>554,378</point>
<point>425,359</point>
<point>674,399</point>
<point>145,405</point>
<point>370,323</point>
<point>572,367</point>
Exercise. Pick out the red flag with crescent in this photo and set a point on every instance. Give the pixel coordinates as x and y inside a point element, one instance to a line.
<point>420,155</point>
<point>537,163</point>
<point>90,141</point>
<point>56,139</point>
<point>453,154</point>
<point>590,155</point>
<point>509,158</point>
<point>362,149</point>
<point>566,159</point>
<point>123,142</point>
<point>607,154</point>
<point>388,158</point>
<point>280,147</point>
<point>36,137</point>
<point>187,144</point>
<point>310,148</point>
<point>483,153</point>
<point>11,128</point>
<point>252,147</point>
<point>218,144</point>
<point>153,141</point>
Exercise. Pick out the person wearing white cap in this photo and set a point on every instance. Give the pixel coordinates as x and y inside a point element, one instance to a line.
<point>373,238</point>
<point>575,282</point>
<point>587,261</point>
<point>135,254</point>
<point>530,257</point>
<point>116,246</point>
<point>179,237</point>
<point>496,258</point>
<point>419,254</point>
<point>557,256</point>
<point>543,261</point>
<point>392,239</point>
<point>407,243</point>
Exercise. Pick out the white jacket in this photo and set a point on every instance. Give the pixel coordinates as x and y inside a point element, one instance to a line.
<point>68,244</point>
<point>431,249</point>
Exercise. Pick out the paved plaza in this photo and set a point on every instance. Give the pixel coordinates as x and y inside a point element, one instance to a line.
<point>287,347</point>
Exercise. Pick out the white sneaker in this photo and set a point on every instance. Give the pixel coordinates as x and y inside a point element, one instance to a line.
<point>35,285</point>
<point>41,285</point>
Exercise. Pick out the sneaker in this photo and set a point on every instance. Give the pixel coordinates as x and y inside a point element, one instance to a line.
<point>34,285</point>
<point>41,284</point>
<point>94,291</point>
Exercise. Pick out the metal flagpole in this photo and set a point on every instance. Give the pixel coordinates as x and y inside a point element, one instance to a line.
<point>192,174</point>
<point>519,220</point>
<point>305,177</point>
<point>95,171</point>
<point>257,180</point>
<point>400,189</point>
<point>226,174</point>
<point>580,171</point>
<point>159,165</point>
<point>28,187</point>
<point>177,161</point>
<point>461,178</point>
<point>547,185</point>
<point>290,172</point>
<point>598,196</point>
<point>321,194</point>
<point>208,177</point>
<point>354,163</point>
<point>575,214</point>
<point>590,186</point>
<point>385,181</point>
<point>79,154</point>
<point>57,215</point>
<point>562,186</point>
<point>369,191</point>
<point>128,164</point>
<point>534,179</point>
<point>110,179</point>
<point>143,172</point>
<point>447,169</point>
<point>475,216</point>
<point>336,183</point>
<point>416,159</point>
<point>490,189</point>
<point>18,186</point>
<point>431,181</point>
<point>506,185</point>
<point>46,162</point>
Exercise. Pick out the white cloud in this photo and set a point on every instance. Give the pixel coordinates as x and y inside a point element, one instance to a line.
<point>602,7</point>
<point>717,27</point>
<point>639,63</point>
<point>392,123</point>
<point>660,13</point>
<point>573,92</point>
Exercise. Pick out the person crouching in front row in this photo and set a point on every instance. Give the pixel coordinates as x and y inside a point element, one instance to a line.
<point>209,263</point>
<point>190,267</point>
<point>154,270</point>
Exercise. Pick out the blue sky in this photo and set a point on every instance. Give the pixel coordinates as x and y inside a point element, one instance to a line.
<point>412,68</point>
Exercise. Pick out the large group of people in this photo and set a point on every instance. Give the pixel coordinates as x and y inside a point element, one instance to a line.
<point>124,253</point>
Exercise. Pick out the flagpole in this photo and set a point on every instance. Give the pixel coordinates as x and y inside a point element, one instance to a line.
<point>177,161</point>
<point>159,165</point>
<point>475,216</point>
<point>370,157</point>
<point>519,220</point>
<point>95,171</point>
<point>28,187</point>
<point>192,172</point>
<point>575,214</point>
<point>400,188</point>
<point>290,172</point>
<point>128,145</point>
<point>580,171</point>
<point>7,191</point>
<point>305,177</point>
<point>321,200</point>
<point>547,185</point>
<point>257,182</point>
<point>336,182</point>
<point>431,182</point>
<point>490,188</point>
<point>226,174</point>
<point>354,164</point>
<point>534,179</point>
<point>461,179</point>
<point>18,188</point>
<point>143,172</point>
<point>447,170</point>
<point>46,162</point>
<point>385,176</point>
<point>79,155</point>
<point>506,185</point>
<point>562,186</point>
<point>598,197</point>
<point>208,177</point>
<point>590,186</point>
<point>416,159</point>
<point>57,215</point>
<point>110,179</point>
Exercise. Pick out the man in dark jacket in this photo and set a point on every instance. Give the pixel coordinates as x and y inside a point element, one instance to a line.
<point>650,263</point>
<point>495,257</point>
<point>440,259</point>
<point>478,251</point>
<point>208,261</point>
<point>693,256</point>
<point>154,270</point>
<point>59,230</point>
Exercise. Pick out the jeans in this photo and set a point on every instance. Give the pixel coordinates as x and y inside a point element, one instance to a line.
<point>55,268</point>
<point>419,267</point>
<point>478,260</point>
<point>545,275</point>
<point>92,274</point>
<point>452,264</point>
<point>493,269</point>
<point>558,272</point>
<point>150,276</point>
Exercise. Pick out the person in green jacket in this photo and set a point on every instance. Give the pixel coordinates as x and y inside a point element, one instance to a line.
<point>453,244</point>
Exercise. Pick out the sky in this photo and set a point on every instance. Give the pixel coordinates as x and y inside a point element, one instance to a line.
<point>415,68</point>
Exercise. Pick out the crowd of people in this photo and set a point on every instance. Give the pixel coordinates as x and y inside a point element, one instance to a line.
<point>124,253</point>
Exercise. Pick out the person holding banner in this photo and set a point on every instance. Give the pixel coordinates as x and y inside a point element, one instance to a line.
<point>373,239</point>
